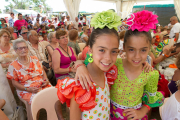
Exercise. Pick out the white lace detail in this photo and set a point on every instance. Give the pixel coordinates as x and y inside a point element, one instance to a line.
<point>152,94</point>
<point>125,107</point>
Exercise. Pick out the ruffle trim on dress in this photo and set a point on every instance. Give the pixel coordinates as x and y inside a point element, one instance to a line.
<point>67,89</point>
<point>153,99</point>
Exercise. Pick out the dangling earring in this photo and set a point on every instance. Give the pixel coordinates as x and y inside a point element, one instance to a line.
<point>90,59</point>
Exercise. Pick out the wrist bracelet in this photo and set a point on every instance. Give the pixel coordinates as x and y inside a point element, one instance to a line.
<point>147,107</point>
<point>166,55</point>
<point>80,65</point>
<point>26,88</point>
<point>69,69</point>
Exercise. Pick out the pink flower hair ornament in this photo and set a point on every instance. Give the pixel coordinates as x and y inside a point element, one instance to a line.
<point>142,21</point>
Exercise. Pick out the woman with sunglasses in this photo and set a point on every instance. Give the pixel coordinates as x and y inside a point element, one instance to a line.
<point>35,28</point>
<point>3,25</point>
<point>24,34</point>
<point>37,23</point>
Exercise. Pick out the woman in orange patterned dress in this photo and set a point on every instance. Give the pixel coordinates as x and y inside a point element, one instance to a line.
<point>26,73</point>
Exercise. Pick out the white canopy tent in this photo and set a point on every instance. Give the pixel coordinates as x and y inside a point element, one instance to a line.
<point>123,7</point>
<point>72,7</point>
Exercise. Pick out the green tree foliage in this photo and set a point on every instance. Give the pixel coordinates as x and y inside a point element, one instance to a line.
<point>25,4</point>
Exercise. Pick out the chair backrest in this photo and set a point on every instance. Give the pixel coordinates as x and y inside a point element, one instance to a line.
<point>82,45</point>
<point>45,99</point>
<point>160,108</point>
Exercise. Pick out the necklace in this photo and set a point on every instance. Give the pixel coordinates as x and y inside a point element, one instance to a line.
<point>24,63</point>
<point>66,52</point>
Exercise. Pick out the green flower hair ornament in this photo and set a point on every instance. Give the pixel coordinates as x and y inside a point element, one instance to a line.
<point>106,18</point>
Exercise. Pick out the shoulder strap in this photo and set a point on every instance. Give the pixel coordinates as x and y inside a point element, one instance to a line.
<point>50,46</point>
<point>59,51</point>
<point>71,50</point>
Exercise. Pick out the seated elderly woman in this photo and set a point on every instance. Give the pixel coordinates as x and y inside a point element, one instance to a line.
<point>53,44</point>
<point>7,54</point>
<point>26,73</point>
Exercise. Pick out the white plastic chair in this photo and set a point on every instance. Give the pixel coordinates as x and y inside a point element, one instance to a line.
<point>45,99</point>
<point>82,45</point>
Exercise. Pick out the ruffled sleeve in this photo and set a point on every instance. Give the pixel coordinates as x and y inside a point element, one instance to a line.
<point>151,97</point>
<point>67,88</point>
<point>111,75</point>
<point>12,74</point>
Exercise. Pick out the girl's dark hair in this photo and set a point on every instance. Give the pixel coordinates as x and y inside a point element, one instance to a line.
<point>97,32</point>
<point>130,33</point>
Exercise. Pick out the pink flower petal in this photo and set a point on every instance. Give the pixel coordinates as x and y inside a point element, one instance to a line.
<point>143,21</point>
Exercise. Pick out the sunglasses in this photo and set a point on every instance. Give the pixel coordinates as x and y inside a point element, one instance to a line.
<point>24,33</point>
<point>35,28</point>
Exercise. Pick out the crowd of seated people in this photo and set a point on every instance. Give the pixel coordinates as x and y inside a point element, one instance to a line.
<point>36,54</point>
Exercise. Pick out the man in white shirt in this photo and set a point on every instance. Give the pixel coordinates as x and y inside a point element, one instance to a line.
<point>76,23</point>
<point>174,33</point>
<point>11,20</point>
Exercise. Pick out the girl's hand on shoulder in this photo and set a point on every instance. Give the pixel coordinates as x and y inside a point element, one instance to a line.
<point>133,114</point>
<point>147,67</point>
<point>82,74</point>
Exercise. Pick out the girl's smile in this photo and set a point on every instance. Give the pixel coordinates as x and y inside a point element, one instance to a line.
<point>104,51</point>
<point>137,49</point>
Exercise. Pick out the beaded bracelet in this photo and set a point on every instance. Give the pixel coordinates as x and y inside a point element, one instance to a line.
<point>80,65</point>
<point>147,107</point>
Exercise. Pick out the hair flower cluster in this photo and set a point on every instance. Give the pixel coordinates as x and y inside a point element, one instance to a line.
<point>50,30</point>
<point>142,21</point>
<point>106,18</point>
<point>157,38</point>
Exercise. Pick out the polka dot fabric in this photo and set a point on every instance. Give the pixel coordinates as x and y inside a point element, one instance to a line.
<point>102,109</point>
